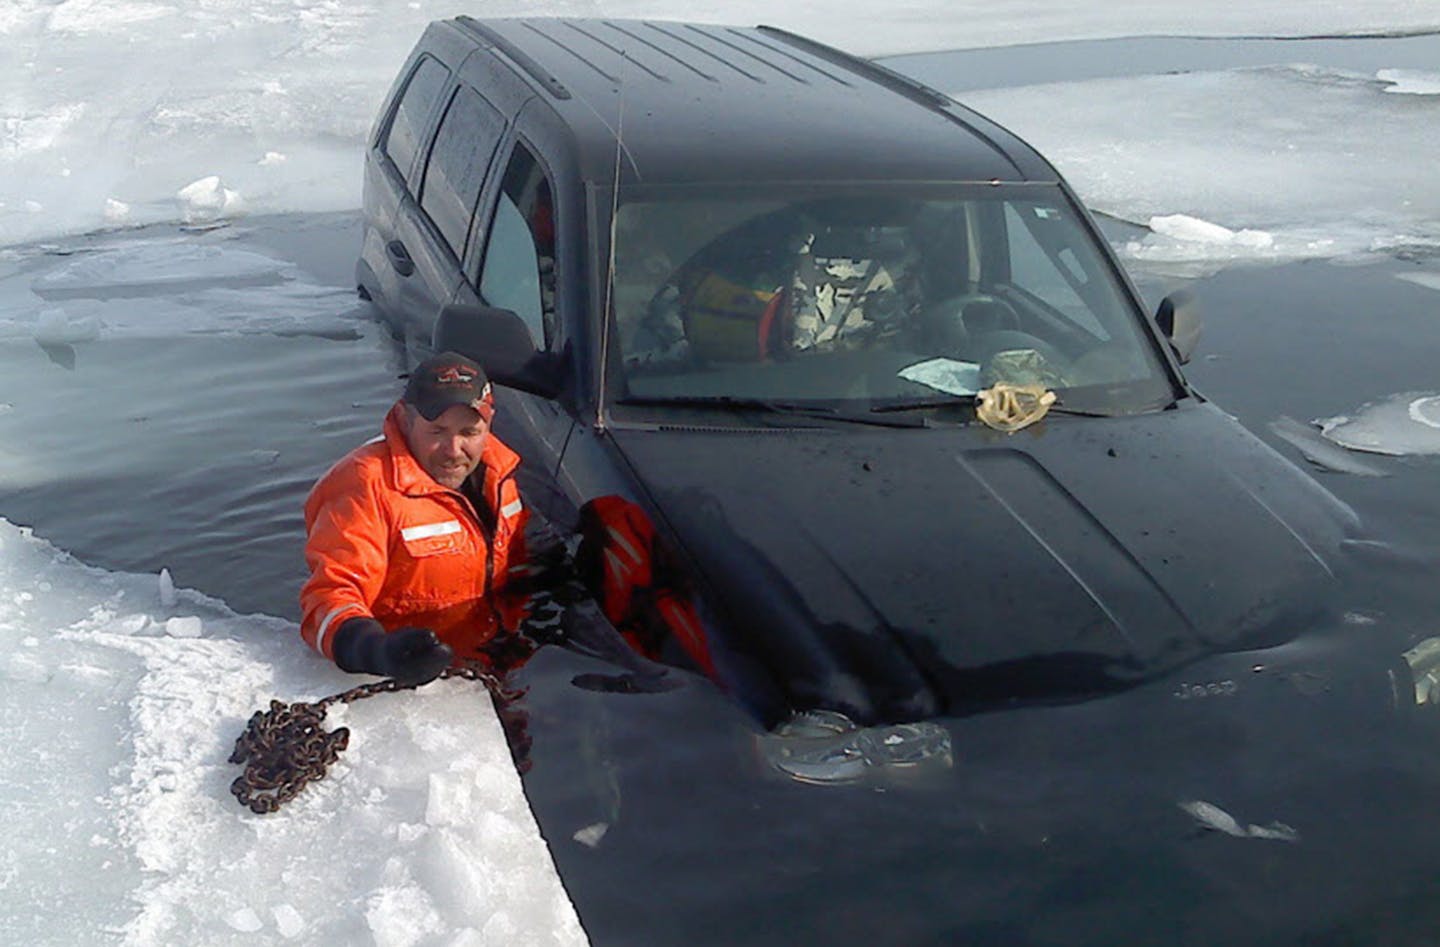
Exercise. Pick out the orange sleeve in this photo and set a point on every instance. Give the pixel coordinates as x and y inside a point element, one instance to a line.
<point>346,550</point>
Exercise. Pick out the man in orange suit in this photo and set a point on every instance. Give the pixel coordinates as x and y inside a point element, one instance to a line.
<point>410,537</point>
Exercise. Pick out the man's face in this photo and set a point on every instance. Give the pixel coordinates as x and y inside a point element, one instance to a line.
<point>448,447</point>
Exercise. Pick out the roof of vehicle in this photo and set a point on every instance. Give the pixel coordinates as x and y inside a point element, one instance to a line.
<point>695,102</point>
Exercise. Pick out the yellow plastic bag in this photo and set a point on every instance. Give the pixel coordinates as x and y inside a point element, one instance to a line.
<point>1009,408</point>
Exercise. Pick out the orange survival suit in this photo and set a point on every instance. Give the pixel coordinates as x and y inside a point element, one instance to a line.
<point>384,540</point>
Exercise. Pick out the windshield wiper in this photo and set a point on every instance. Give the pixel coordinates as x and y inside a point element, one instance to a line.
<point>1060,407</point>
<point>920,404</point>
<point>770,406</point>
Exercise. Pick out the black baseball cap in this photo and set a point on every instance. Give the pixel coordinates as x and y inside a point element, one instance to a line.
<point>446,380</point>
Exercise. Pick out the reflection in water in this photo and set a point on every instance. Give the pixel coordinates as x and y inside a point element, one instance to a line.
<point>60,353</point>
<point>826,748</point>
<point>638,582</point>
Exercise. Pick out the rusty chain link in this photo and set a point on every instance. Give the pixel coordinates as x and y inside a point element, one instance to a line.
<point>286,747</point>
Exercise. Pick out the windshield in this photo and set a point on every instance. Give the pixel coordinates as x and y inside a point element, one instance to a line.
<point>871,297</point>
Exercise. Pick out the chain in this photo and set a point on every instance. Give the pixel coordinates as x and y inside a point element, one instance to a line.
<point>286,747</point>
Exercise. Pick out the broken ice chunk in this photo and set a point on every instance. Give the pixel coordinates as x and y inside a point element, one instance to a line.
<point>188,626</point>
<point>208,199</point>
<point>1213,817</point>
<point>58,327</point>
<point>244,920</point>
<point>288,920</point>
<point>591,835</point>
<point>116,212</point>
<point>1195,230</point>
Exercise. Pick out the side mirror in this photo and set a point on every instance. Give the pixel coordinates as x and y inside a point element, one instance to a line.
<point>1179,318</point>
<point>500,342</point>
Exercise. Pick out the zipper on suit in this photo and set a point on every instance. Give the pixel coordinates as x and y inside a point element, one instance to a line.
<point>486,533</point>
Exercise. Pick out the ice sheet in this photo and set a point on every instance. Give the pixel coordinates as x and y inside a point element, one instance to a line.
<point>1428,280</point>
<point>117,714</point>
<point>1410,81</point>
<point>1407,423</point>
<point>109,108</point>
<point>1265,164</point>
<point>171,284</point>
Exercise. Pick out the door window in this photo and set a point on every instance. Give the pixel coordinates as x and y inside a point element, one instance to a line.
<point>518,272</point>
<point>407,128</point>
<point>464,145</point>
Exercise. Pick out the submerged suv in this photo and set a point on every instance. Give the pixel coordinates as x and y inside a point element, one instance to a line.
<point>742,291</point>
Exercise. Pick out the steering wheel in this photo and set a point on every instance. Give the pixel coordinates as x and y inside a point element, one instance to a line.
<point>982,313</point>
<point>991,344</point>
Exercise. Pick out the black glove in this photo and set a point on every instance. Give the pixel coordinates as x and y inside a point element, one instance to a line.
<point>409,655</point>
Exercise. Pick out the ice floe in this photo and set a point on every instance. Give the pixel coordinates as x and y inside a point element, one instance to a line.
<point>1428,280</point>
<point>1407,423</point>
<point>1322,453</point>
<point>1410,81</point>
<point>1217,819</point>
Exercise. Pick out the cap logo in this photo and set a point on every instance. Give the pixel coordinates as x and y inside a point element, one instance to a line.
<point>453,375</point>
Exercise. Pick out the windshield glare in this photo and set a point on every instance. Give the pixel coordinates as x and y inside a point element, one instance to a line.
<point>871,298</point>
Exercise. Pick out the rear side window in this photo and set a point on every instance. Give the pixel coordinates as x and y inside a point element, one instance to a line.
<point>407,128</point>
<point>466,141</point>
<point>518,272</point>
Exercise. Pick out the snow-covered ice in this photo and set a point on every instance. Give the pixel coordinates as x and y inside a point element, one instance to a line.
<point>1266,164</point>
<point>1185,228</point>
<point>118,713</point>
<point>111,110</point>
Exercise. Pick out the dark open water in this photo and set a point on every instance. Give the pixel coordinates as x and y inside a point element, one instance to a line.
<point>193,451</point>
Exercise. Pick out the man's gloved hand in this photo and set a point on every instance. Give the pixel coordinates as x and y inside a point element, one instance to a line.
<point>408,655</point>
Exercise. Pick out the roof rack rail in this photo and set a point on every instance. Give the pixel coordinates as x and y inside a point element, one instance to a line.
<point>884,76</point>
<point>537,72</point>
<point>890,79</point>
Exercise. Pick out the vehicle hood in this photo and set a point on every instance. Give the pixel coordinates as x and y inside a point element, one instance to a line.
<point>943,567</point>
